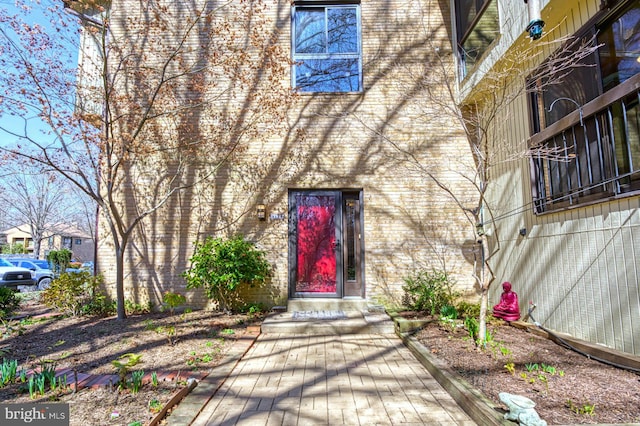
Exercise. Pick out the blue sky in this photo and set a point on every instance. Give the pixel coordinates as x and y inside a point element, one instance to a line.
<point>37,15</point>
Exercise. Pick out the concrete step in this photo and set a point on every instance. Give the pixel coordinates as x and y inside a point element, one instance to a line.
<point>328,322</point>
<point>327,305</point>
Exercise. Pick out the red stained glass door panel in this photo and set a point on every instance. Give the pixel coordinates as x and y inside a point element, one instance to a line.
<point>316,235</point>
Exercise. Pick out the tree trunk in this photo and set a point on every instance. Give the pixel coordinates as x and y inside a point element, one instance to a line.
<point>482,326</point>
<point>122,314</point>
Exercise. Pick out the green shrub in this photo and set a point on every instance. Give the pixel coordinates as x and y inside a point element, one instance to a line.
<point>429,291</point>
<point>448,311</point>
<point>466,309</point>
<point>59,259</point>
<point>9,302</point>
<point>76,294</point>
<point>222,266</point>
<point>133,308</point>
<point>171,301</point>
<point>100,305</point>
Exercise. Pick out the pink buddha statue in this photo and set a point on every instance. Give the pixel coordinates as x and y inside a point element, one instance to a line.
<point>508,308</point>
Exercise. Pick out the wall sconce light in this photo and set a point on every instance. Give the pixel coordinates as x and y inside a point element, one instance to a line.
<point>523,231</point>
<point>261,212</point>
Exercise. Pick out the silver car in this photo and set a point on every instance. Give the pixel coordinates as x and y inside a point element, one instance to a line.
<point>43,274</point>
<point>15,276</point>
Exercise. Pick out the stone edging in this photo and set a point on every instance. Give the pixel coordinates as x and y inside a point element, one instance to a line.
<point>475,404</point>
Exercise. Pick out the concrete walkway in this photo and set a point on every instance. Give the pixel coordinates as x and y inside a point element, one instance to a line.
<point>347,379</point>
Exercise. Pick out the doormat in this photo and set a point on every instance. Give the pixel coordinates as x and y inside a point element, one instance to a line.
<point>319,315</point>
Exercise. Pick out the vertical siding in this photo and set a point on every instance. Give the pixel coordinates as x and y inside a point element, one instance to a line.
<point>580,266</point>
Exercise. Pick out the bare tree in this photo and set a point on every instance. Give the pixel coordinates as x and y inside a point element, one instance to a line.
<point>434,90</point>
<point>34,200</point>
<point>165,94</point>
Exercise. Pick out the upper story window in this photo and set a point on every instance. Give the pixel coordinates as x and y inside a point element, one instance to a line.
<point>586,121</point>
<point>477,26</point>
<point>326,48</point>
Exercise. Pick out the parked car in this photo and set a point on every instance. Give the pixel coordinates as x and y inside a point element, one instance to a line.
<point>14,276</point>
<point>43,272</point>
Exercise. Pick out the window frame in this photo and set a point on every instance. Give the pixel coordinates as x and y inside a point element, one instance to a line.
<point>480,9</point>
<point>299,58</point>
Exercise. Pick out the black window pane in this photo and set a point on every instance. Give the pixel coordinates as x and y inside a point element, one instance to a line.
<point>465,13</point>
<point>328,75</point>
<point>310,30</point>
<point>343,30</point>
<point>479,39</point>
<point>621,48</point>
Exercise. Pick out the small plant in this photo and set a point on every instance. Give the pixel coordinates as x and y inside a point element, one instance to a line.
<point>172,300</point>
<point>531,367</point>
<point>149,325</point>
<point>123,367</point>
<point>548,369</point>
<point>504,350</point>
<point>48,372</point>
<point>154,379</point>
<point>186,312</point>
<point>32,386</point>
<point>588,409</point>
<point>40,383</point>
<point>544,379</point>
<point>227,331</point>
<point>489,337</point>
<point>253,309</point>
<point>62,382</point>
<point>169,332</point>
<point>136,381</point>
<point>8,370</point>
<point>510,367</point>
<point>194,359</point>
<point>472,326</point>
<point>448,311</point>
<point>155,406</point>
<point>221,267</point>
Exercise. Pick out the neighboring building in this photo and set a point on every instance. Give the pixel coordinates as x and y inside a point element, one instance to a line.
<point>568,214</point>
<point>57,237</point>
